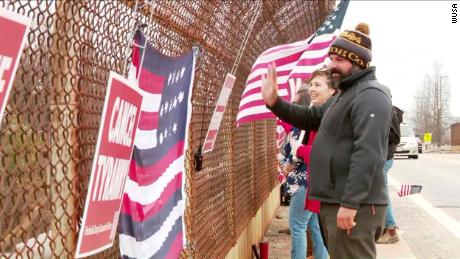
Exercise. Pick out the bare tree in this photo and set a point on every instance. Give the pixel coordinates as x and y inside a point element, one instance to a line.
<point>431,106</point>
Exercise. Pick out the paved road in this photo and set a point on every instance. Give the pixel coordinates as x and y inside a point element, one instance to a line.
<point>430,222</point>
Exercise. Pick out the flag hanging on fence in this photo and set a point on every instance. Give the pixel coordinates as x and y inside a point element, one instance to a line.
<point>407,189</point>
<point>294,62</point>
<point>151,221</point>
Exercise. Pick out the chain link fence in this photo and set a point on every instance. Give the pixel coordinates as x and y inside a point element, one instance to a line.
<point>49,130</point>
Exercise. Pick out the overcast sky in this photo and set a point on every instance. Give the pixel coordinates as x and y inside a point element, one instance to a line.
<point>407,38</point>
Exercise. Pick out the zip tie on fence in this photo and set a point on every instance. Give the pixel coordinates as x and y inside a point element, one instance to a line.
<point>246,38</point>
<point>138,26</point>
<point>198,53</point>
<point>131,37</point>
<point>141,63</point>
<point>198,156</point>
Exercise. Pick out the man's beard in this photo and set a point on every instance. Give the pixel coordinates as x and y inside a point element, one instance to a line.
<point>335,80</point>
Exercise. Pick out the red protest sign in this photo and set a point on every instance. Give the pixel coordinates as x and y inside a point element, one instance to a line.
<point>16,27</point>
<point>111,162</point>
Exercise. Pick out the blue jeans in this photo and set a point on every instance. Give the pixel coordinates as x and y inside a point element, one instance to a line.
<point>299,220</point>
<point>390,219</point>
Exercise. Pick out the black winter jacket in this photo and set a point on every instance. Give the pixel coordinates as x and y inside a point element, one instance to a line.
<point>351,146</point>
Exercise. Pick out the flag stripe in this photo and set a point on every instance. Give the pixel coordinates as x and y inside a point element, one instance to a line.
<point>148,121</point>
<point>147,248</point>
<point>145,139</point>
<point>312,61</point>
<point>255,110</point>
<point>176,247</point>
<point>407,189</point>
<point>168,242</point>
<point>287,66</point>
<point>285,47</point>
<point>281,75</point>
<point>258,96</point>
<point>140,212</point>
<point>152,206</point>
<point>279,62</point>
<point>146,175</point>
<point>294,61</point>
<point>150,102</point>
<point>150,82</point>
<point>258,90</point>
<point>280,71</point>
<point>160,248</point>
<point>153,189</point>
<point>256,102</point>
<point>319,44</point>
<point>147,227</point>
<point>146,158</point>
<point>282,84</point>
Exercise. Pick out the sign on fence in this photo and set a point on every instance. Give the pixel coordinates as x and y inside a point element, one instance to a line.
<point>218,114</point>
<point>13,28</point>
<point>111,162</point>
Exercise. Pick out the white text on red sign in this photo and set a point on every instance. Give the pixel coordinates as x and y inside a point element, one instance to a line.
<point>5,65</point>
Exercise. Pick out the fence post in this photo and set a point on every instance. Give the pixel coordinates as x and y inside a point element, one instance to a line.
<point>64,138</point>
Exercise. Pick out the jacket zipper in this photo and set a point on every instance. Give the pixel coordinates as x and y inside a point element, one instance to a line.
<point>332,107</point>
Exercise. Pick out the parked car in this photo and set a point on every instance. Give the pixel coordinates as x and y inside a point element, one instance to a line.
<point>409,145</point>
<point>419,141</point>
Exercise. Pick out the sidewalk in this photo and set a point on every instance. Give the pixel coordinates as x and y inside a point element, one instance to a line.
<point>280,244</point>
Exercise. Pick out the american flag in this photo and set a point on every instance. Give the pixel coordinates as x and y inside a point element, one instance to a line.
<point>407,189</point>
<point>151,221</point>
<point>294,62</point>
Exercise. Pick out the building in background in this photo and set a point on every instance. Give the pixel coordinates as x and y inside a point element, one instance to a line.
<point>455,136</point>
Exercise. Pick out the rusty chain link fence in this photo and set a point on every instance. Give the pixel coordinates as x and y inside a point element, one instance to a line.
<point>49,130</point>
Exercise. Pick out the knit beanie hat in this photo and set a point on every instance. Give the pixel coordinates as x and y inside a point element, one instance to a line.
<point>355,46</point>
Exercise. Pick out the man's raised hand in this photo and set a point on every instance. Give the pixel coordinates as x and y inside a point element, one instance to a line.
<point>269,85</point>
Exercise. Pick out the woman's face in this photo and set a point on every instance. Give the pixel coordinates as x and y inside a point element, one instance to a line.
<point>319,90</point>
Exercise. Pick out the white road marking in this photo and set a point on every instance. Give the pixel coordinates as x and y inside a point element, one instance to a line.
<point>445,220</point>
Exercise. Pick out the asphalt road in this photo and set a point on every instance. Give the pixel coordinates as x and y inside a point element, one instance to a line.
<point>430,221</point>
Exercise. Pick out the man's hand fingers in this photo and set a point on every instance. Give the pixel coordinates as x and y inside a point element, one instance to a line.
<point>272,74</point>
<point>344,223</point>
<point>269,87</point>
<point>341,223</point>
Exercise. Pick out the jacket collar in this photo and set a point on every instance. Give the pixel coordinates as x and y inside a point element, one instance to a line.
<point>366,74</point>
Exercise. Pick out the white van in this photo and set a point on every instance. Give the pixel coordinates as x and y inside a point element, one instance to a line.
<point>409,144</point>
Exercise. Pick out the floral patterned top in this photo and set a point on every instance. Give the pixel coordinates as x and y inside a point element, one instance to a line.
<point>298,176</point>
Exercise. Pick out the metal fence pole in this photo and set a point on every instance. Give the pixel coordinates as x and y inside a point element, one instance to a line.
<point>64,139</point>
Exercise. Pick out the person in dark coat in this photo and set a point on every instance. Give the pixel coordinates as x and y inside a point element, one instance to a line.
<point>350,149</point>
<point>390,233</point>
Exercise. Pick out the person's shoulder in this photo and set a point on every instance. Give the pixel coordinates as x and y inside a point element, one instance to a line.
<point>375,95</point>
<point>373,87</point>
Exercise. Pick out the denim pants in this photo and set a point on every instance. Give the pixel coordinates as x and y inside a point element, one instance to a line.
<point>299,219</point>
<point>390,220</point>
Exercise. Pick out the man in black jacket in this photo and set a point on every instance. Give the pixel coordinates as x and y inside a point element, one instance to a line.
<point>350,149</point>
<point>390,233</point>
